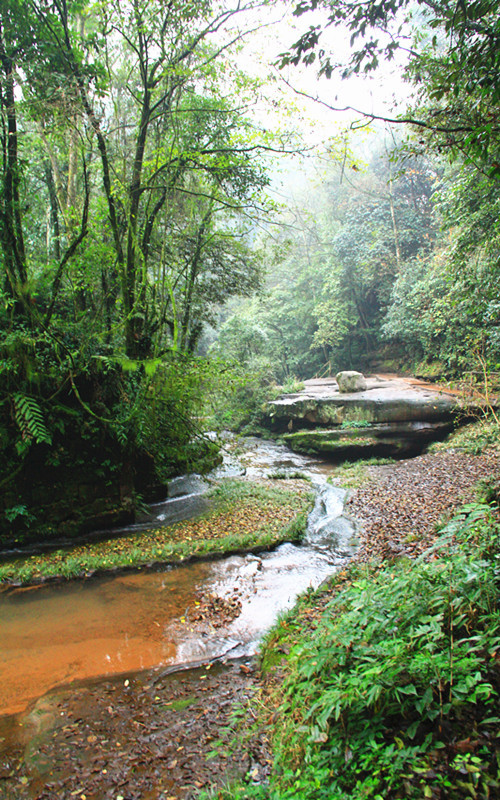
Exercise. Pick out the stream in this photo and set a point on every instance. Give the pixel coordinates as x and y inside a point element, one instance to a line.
<point>54,634</point>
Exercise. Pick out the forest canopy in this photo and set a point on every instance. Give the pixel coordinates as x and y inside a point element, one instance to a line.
<point>130,174</point>
<point>146,261</point>
<point>399,245</point>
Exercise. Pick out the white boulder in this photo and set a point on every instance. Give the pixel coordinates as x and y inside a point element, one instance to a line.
<point>350,381</point>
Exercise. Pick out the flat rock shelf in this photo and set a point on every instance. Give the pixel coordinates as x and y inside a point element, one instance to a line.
<point>393,417</point>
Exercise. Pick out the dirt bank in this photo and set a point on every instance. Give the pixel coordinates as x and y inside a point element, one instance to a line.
<point>401,504</point>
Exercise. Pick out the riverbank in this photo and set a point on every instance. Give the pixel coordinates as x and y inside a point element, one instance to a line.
<point>242,517</point>
<point>386,683</point>
<point>140,736</point>
<point>178,740</point>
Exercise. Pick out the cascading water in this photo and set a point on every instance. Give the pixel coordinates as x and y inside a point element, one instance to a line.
<point>57,633</point>
<point>328,529</point>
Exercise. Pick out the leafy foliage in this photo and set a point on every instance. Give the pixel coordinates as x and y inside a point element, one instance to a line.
<point>435,301</point>
<point>399,668</point>
<point>452,62</point>
<point>30,419</point>
<point>146,174</point>
<point>330,278</point>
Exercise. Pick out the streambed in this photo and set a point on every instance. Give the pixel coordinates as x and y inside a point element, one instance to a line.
<point>132,623</point>
<point>57,633</point>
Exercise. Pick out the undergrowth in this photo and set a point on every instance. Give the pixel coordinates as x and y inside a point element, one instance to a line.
<point>473,438</point>
<point>386,684</point>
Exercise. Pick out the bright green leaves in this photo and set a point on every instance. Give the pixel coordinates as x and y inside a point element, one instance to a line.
<point>453,64</point>
<point>399,666</point>
<point>30,420</point>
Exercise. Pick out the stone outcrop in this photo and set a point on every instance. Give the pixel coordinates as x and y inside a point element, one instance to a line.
<point>391,417</point>
<point>383,400</point>
<point>389,440</point>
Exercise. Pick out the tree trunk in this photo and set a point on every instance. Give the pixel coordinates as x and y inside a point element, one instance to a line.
<point>11,229</point>
<point>54,249</point>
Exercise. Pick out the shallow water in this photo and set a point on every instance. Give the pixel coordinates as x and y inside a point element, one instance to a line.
<point>54,634</point>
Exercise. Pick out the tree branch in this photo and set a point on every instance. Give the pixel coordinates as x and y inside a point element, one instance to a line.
<point>391,120</point>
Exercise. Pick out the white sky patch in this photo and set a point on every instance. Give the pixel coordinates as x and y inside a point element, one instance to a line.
<point>380,94</point>
<point>319,129</point>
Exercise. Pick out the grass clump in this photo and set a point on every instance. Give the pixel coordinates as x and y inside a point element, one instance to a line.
<point>292,386</point>
<point>352,474</point>
<point>242,516</point>
<point>390,681</point>
<point>236,791</point>
<point>473,438</point>
<point>355,423</point>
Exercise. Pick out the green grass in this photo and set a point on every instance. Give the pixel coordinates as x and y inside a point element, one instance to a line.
<point>385,685</point>
<point>236,791</point>
<point>473,438</point>
<point>282,474</point>
<point>356,423</point>
<point>292,386</point>
<point>243,516</point>
<point>351,475</point>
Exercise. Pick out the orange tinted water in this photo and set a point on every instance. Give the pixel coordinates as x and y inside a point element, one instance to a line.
<point>55,634</point>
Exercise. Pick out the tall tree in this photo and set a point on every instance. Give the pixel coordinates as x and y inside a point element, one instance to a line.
<point>130,175</point>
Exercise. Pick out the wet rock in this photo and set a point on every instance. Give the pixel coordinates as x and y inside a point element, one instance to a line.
<point>350,381</point>
<point>375,405</point>
<point>387,440</point>
<point>150,736</point>
<point>186,485</point>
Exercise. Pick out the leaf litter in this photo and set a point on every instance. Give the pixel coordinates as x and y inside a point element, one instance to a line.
<point>401,505</point>
<point>166,737</point>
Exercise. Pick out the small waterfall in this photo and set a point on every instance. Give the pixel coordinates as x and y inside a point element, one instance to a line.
<point>328,529</point>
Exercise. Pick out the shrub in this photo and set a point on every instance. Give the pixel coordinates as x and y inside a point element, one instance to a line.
<point>401,666</point>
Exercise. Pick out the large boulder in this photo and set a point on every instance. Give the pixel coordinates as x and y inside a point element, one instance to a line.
<point>350,381</point>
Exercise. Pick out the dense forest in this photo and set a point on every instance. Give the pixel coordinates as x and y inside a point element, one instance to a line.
<point>147,266</point>
<point>203,207</point>
<point>130,173</point>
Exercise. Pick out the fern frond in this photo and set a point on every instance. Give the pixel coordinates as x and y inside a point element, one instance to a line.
<point>30,420</point>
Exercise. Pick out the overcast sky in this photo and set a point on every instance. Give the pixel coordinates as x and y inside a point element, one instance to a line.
<point>316,124</point>
<point>378,94</point>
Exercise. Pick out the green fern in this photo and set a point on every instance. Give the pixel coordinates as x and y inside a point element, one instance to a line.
<point>30,420</point>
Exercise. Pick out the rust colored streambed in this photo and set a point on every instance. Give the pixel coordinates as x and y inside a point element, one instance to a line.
<point>55,634</point>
